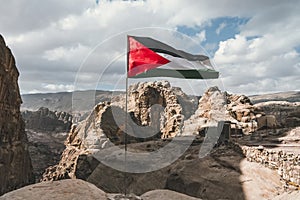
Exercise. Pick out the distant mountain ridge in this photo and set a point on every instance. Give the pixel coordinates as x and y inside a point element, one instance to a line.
<point>290,96</point>
<point>62,101</point>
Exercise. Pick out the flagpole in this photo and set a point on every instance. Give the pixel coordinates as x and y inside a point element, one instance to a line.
<point>125,137</point>
<point>126,119</point>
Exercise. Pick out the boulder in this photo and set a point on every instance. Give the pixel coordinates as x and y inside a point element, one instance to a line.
<point>59,190</point>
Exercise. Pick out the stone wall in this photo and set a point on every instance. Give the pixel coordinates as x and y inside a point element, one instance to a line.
<point>287,164</point>
<point>15,163</point>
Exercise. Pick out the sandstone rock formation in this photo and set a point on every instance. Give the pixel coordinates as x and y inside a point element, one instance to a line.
<point>216,106</point>
<point>15,163</point>
<point>45,120</point>
<point>59,190</point>
<point>99,130</point>
<point>102,132</point>
<point>188,175</point>
<point>170,105</point>
<point>106,124</point>
<point>143,96</point>
<point>287,114</point>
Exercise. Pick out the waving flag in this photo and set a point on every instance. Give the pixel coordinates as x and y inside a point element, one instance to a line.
<point>151,58</point>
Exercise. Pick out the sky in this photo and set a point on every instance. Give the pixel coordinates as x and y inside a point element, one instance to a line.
<point>65,45</point>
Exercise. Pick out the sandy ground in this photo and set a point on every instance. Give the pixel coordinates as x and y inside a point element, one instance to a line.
<point>259,182</point>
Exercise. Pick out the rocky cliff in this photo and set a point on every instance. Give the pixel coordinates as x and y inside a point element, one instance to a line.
<point>15,163</point>
<point>46,120</point>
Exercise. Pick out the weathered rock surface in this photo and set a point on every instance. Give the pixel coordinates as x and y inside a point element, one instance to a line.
<point>15,163</point>
<point>224,174</point>
<point>46,120</point>
<point>287,114</point>
<point>189,175</point>
<point>60,190</point>
<point>166,194</point>
<point>76,189</point>
<point>99,130</point>
<point>103,132</point>
<point>170,105</point>
<point>105,126</point>
<point>216,106</point>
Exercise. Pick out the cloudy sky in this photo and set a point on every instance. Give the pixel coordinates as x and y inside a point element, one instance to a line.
<point>62,45</point>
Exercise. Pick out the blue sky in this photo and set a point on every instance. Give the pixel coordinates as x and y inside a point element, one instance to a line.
<point>219,29</point>
<point>254,44</point>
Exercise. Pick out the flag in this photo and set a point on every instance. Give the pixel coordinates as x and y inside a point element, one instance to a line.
<point>147,57</point>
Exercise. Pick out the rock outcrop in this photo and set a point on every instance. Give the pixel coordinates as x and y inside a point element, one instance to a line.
<point>100,130</point>
<point>153,107</point>
<point>188,175</point>
<point>60,190</point>
<point>79,189</point>
<point>216,106</point>
<point>287,114</point>
<point>46,120</point>
<point>15,163</point>
<point>174,106</point>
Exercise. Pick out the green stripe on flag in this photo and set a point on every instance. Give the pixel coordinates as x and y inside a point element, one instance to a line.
<point>187,74</point>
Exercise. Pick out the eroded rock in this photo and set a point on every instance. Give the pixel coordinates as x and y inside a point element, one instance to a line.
<point>15,163</point>
<point>46,120</point>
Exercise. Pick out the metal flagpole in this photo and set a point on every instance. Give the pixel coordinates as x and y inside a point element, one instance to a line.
<point>126,119</point>
<point>125,137</point>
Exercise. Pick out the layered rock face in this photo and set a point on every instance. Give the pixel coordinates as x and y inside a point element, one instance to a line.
<point>45,120</point>
<point>15,163</point>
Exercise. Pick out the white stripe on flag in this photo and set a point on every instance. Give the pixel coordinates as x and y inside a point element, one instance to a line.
<point>181,63</point>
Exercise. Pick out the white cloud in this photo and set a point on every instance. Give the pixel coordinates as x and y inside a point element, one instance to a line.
<point>51,39</point>
<point>59,87</point>
<point>67,54</point>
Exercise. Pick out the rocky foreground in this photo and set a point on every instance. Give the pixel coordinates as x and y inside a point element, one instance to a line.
<point>225,174</point>
<point>78,190</point>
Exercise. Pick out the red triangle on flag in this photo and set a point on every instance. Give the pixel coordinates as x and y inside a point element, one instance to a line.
<point>141,58</point>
